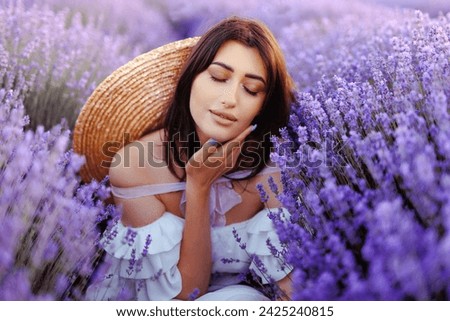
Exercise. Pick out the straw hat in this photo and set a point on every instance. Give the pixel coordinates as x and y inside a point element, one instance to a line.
<point>127,104</point>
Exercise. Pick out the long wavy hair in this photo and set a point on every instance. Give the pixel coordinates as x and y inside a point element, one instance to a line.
<point>179,127</point>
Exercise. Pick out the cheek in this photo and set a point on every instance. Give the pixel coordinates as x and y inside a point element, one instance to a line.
<point>194,93</point>
<point>253,108</point>
<point>201,93</point>
<point>196,100</point>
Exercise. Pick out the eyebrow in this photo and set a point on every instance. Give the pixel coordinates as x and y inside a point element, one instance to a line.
<point>253,76</point>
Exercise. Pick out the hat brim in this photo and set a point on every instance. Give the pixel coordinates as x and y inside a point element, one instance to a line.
<point>127,104</point>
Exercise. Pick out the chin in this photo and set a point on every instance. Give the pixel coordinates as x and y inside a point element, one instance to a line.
<point>220,134</point>
<point>220,138</point>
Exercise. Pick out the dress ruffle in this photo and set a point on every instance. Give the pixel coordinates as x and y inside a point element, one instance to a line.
<point>265,248</point>
<point>143,261</point>
<point>242,246</point>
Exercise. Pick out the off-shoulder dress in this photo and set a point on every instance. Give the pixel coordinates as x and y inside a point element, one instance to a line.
<point>143,261</point>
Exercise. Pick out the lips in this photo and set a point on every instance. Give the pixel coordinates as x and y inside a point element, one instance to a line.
<point>223,115</point>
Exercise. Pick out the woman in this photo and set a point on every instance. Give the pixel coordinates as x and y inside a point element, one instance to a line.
<point>194,226</point>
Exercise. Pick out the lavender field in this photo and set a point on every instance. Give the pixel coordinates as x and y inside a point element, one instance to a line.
<point>365,159</point>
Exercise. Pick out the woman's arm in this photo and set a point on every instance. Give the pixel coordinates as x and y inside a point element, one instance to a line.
<point>195,253</point>
<point>205,166</point>
<point>285,286</point>
<point>208,164</point>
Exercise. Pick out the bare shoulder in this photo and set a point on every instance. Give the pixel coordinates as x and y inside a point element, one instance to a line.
<point>136,164</point>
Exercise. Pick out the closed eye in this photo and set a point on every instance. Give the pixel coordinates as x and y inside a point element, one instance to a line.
<point>253,93</point>
<point>222,80</point>
<point>218,79</point>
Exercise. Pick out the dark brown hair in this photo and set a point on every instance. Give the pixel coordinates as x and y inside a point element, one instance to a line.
<point>178,123</point>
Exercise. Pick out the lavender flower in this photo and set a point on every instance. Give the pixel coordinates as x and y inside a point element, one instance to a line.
<point>365,157</point>
<point>434,7</point>
<point>130,237</point>
<point>54,62</point>
<point>51,230</point>
<point>148,241</point>
<point>262,193</point>
<point>132,263</point>
<point>134,22</point>
<point>194,295</point>
<point>370,226</point>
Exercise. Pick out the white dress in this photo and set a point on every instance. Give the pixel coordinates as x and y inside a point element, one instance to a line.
<point>143,261</point>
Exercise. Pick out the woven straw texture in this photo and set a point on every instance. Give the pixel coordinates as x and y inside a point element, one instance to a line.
<point>127,104</point>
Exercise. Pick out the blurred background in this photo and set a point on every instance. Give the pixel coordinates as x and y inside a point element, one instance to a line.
<point>78,43</point>
<point>372,82</point>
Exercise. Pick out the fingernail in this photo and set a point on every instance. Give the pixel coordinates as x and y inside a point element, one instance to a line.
<point>212,141</point>
<point>254,127</point>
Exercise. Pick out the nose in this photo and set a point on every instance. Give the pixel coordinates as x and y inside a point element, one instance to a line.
<point>229,95</point>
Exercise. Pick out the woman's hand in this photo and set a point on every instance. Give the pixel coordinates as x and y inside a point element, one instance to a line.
<point>203,168</point>
<point>212,161</point>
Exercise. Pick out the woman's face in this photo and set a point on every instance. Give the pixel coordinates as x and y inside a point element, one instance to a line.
<point>227,96</point>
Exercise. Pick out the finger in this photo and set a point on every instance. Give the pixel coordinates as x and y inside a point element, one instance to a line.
<point>216,155</point>
<point>232,156</point>
<point>241,137</point>
<point>209,148</point>
<point>236,143</point>
<point>232,149</point>
<point>200,156</point>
